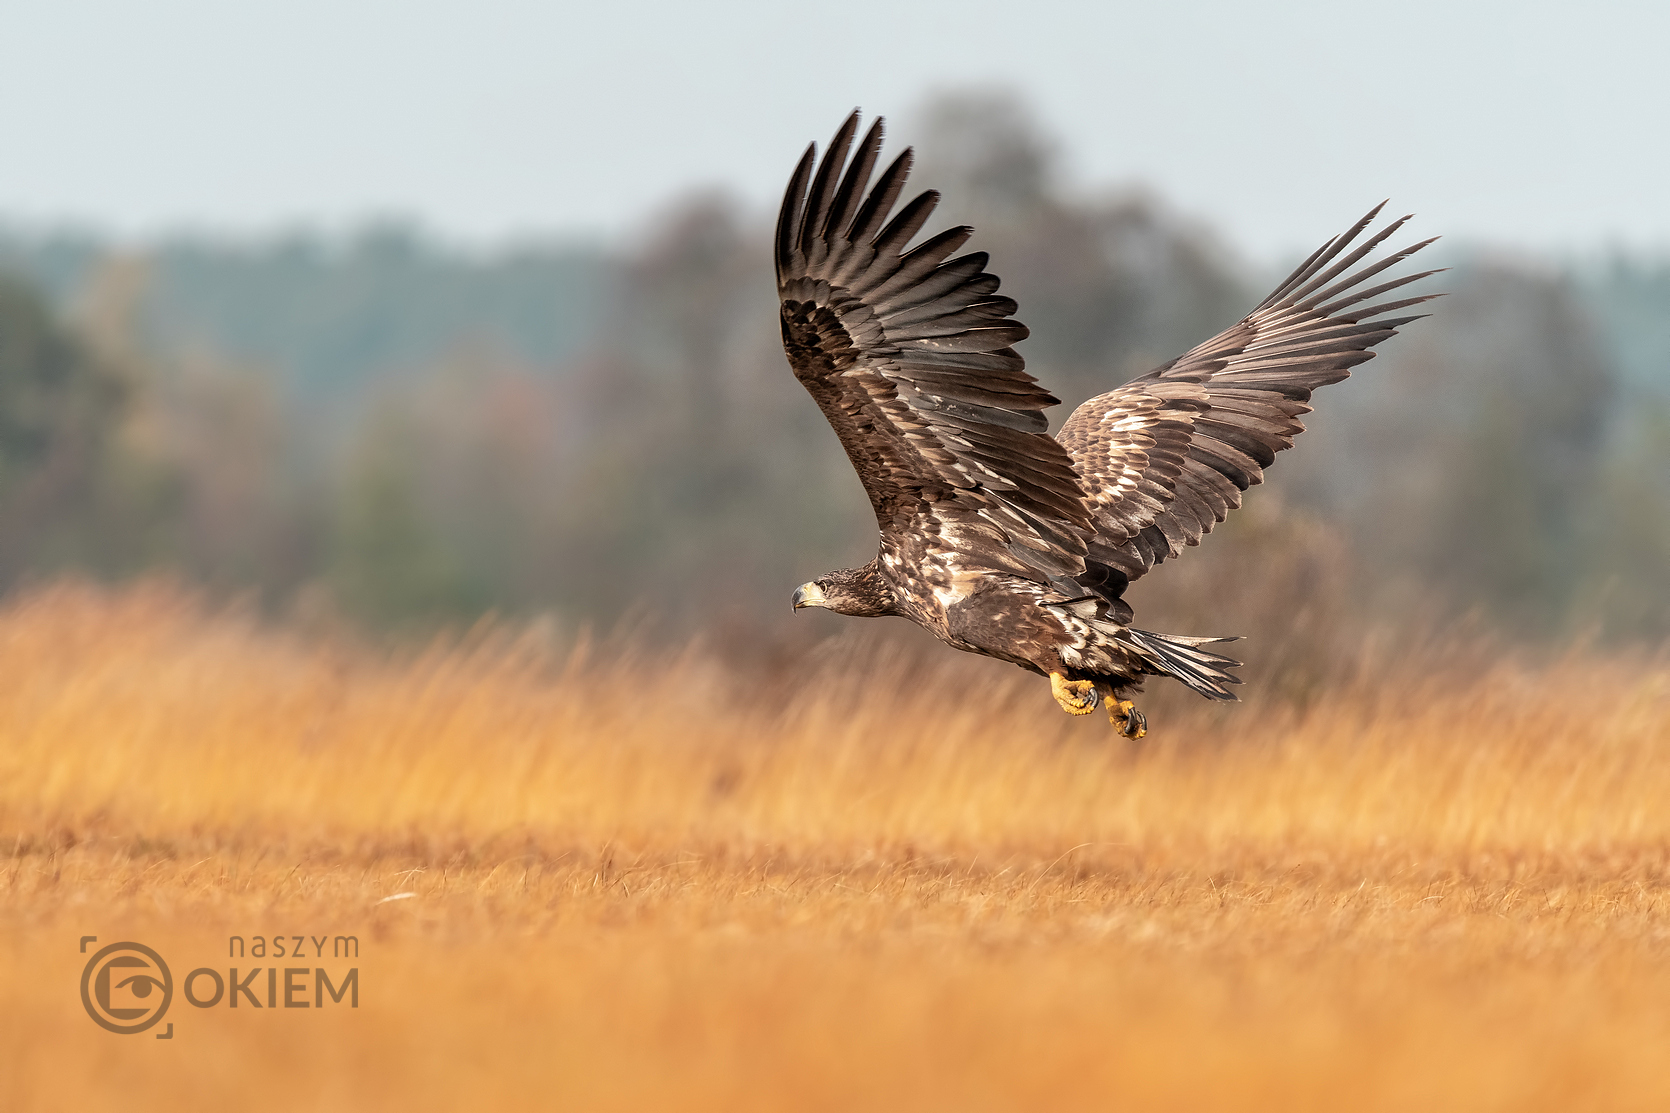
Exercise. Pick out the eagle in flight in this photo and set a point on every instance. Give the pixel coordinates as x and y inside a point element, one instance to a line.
<point>997,537</point>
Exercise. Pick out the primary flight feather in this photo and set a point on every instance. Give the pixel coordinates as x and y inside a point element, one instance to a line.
<point>997,537</point>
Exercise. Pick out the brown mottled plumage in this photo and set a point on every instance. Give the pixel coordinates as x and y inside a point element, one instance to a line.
<point>997,537</point>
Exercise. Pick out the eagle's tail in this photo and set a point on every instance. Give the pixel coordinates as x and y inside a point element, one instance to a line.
<point>1181,657</point>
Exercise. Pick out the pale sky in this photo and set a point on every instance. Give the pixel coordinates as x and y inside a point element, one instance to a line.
<point>1526,124</point>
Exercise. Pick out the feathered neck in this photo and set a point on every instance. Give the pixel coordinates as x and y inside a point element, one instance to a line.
<point>863,592</point>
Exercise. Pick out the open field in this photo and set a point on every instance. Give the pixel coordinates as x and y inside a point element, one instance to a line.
<point>860,878</point>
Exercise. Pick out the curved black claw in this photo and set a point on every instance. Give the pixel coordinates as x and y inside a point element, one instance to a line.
<point>1136,723</point>
<point>1076,697</point>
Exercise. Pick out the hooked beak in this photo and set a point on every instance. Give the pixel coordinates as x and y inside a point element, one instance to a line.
<point>808,595</point>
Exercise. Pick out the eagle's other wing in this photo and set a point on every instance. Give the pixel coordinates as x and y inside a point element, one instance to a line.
<point>909,357</point>
<point>1165,457</point>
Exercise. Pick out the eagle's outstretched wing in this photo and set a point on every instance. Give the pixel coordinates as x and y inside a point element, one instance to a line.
<point>909,357</point>
<point>1165,457</point>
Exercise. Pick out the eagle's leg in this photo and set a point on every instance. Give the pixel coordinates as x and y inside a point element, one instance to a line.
<point>1122,713</point>
<point>1076,697</point>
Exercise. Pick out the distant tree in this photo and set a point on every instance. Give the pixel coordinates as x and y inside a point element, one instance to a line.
<point>987,155</point>
<point>1625,589</point>
<point>1111,286</point>
<point>61,408</point>
<point>392,562</point>
<point>1468,457</point>
<point>701,477</point>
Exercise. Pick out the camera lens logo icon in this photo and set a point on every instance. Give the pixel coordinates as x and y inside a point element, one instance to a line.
<point>126,988</point>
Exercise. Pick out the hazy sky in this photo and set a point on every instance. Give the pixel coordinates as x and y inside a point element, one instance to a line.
<point>1527,123</point>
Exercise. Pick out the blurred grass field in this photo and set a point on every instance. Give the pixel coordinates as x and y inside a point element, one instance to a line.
<point>858,877</point>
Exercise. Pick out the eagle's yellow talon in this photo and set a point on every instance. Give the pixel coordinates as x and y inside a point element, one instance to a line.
<point>1076,697</point>
<point>1124,715</point>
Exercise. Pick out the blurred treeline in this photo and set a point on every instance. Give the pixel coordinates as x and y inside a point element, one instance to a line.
<point>398,431</point>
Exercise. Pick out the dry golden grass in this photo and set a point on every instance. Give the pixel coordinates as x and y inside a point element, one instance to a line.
<point>865,878</point>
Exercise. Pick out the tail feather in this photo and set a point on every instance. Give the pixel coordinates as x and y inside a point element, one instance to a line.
<point>1181,657</point>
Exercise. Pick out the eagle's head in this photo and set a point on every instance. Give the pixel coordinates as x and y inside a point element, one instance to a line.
<point>856,591</point>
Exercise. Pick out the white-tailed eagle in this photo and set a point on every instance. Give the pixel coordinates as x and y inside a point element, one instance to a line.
<point>999,538</point>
